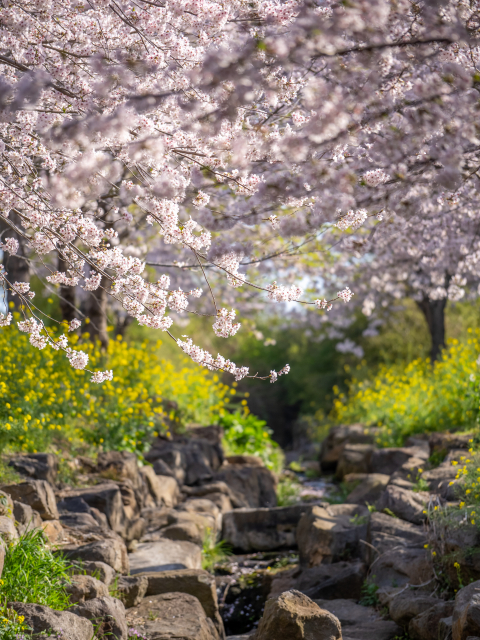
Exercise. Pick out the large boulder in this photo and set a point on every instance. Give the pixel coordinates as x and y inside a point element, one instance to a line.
<point>359,622</point>
<point>196,582</point>
<point>367,487</point>
<point>391,459</point>
<point>355,458</point>
<point>165,555</point>
<point>440,479</point>
<point>333,445</point>
<point>108,615</point>
<point>403,503</point>
<point>131,589</point>
<point>327,534</point>
<point>111,551</point>
<point>163,490</point>
<point>26,518</point>
<point>263,529</point>
<point>253,486</point>
<point>172,616</point>
<point>466,612</point>
<point>100,570</point>
<point>61,623</point>
<point>426,625</point>
<point>332,581</point>
<point>408,604</point>
<point>119,466</point>
<point>36,493</point>
<point>39,466</point>
<point>443,442</point>
<point>105,497</point>
<point>388,532</point>
<point>294,616</point>
<point>401,566</point>
<point>85,587</point>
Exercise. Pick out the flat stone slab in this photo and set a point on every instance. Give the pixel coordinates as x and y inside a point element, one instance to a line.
<point>165,555</point>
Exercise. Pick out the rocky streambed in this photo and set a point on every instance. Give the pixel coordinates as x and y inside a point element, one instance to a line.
<point>357,559</point>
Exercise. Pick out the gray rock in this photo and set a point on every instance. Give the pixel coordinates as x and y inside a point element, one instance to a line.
<point>466,612</point>
<point>196,582</point>
<point>443,442</point>
<point>105,497</point>
<point>368,487</point>
<point>212,488</point>
<point>333,581</point>
<point>53,530</point>
<point>408,604</point>
<point>391,459</point>
<point>163,490</point>
<point>165,555</point>
<point>439,479</point>
<point>26,518</point>
<point>131,589</point>
<point>337,438</point>
<point>182,531</point>
<point>100,570</point>
<point>40,466</point>
<point>41,618</point>
<point>400,566</point>
<point>108,615</point>
<point>84,587</point>
<point>326,534</point>
<point>294,616</point>
<point>120,466</point>
<point>425,626</point>
<point>387,532</point>
<point>405,504</point>
<point>360,623</point>
<point>172,616</point>
<point>252,486</point>
<point>36,493</point>
<point>445,629</point>
<point>263,529</point>
<point>110,551</point>
<point>355,458</point>
<point>7,529</point>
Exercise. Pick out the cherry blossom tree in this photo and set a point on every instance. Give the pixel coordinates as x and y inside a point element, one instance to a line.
<point>271,123</point>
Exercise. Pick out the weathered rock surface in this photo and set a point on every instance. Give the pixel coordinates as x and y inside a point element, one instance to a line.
<point>405,504</point>
<point>263,529</point>
<point>131,589</point>
<point>165,555</point>
<point>41,618</point>
<point>360,623</point>
<point>426,625</point>
<point>38,494</point>
<point>40,466</point>
<point>355,458</point>
<point>163,490</point>
<point>110,551</point>
<point>328,534</point>
<point>85,587</point>
<point>400,566</point>
<point>368,487</point>
<point>466,612</point>
<point>338,437</point>
<point>294,616</point>
<point>391,459</point>
<point>196,582</point>
<point>408,604</point>
<point>172,616</point>
<point>387,532</point>
<point>105,497</point>
<point>108,615</point>
<point>252,486</point>
<point>103,572</point>
<point>333,581</point>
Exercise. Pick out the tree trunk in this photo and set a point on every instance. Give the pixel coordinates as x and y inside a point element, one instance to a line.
<point>66,295</point>
<point>434,312</point>
<point>16,266</point>
<point>97,313</point>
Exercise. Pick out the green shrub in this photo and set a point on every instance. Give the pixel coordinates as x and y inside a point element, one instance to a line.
<point>32,573</point>
<point>245,434</point>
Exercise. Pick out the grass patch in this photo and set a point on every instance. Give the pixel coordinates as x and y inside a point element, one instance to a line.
<point>288,491</point>
<point>213,552</point>
<point>32,573</point>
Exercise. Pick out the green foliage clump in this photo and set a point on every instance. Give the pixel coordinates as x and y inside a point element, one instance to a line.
<point>369,594</point>
<point>245,434</point>
<point>32,573</point>
<point>214,552</point>
<point>404,400</point>
<point>12,625</point>
<point>288,491</point>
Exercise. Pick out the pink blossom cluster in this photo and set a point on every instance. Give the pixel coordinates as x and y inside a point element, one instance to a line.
<point>224,326</point>
<point>281,293</point>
